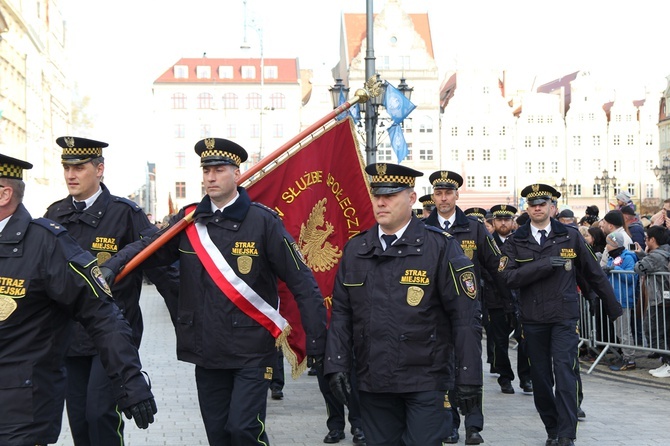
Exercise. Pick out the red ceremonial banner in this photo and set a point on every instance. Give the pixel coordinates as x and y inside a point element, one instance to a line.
<point>322,195</point>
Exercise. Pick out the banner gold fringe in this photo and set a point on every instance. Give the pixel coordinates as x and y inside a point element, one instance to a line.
<point>289,354</point>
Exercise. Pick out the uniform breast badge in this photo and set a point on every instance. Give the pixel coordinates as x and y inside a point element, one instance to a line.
<point>244,264</point>
<point>568,265</point>
<point>103,257</point>
<point>414,295</point>
<point>7,307</point>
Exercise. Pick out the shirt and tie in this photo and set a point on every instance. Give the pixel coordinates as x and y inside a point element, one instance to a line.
<point>540,235</point>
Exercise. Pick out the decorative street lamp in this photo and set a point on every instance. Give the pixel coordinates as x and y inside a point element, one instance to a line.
<point>605,182</point>
<point>663,173</point>
<point>564,188</point>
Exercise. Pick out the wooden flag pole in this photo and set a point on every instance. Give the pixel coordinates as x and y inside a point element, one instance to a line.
<point>360,96</point>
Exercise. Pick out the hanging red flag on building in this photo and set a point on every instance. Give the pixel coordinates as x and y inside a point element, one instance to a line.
<point>321,194</point>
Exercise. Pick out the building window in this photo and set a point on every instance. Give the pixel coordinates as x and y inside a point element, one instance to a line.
<point>179,131</point>
<point>502,181</point>
<point>454,154</point>
<point>178,101</point>
<point>277,101</point>
<point>180,72</point>
<point>503,131</point>
<point>554,167</point>
<point>616,140</point>
<point>649,165</point>
<point>648,139</point>
<point>205,131</point>
<point>254,131</point>
<point>531,119</point>
<point>486,154</point>
<point>528,168</point>
<point>577,140</point>
<point>271,72</point>
<point>630,140</point>
<point>502,155</point>
<point>278,131</point>
<point>592,116</point>
<point>248,72</point>
<point>180,189</point>
<point>596,140</point>
<point>180,159</point>
<point>540,119</point>
<point>540,167</point>
<point>527,142</point>
<point>650,191</point>
<point>631,189</point>
<point>426,125</point>
<point>225,72</point>
<point>540,141</point>
<point>550,119</point>
<point>205,101</point>
<point>487,181</point>
<point>471,131</point>
<point>203,72</point>
<point>229,101</point>
<point>485,131</point>
<point>231,131</point>
<point>454,131</point>
<point>596,164</point>
<point>470,182</point>
<point>407,125</point>
<point>471,154</point>
<point>554,142</point>
<point>617,118</point>
<point>577,164</point>
<point>576,190</point>
<point>425,153</point>
<point>596,190</point>
<point>254,101</point>
<point>616,166</point>
<point>385,153</point>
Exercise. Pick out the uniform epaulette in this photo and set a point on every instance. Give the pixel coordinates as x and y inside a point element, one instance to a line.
<point>438,230</point>
<point>136,207</point>
<point>262,206</point>
<point>51,225</point>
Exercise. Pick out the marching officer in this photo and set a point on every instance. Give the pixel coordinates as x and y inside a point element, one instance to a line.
<point>428,205</point>
<point>228,319</point>
<point>502,315</point>
<point>478,213</point>
<point>541,259</point>
<point>102,224</point>
<point>480,248</point>
<point>405,299</point>
<point>47,279</point>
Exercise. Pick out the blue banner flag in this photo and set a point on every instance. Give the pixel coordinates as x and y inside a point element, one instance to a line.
<point>398,142</point>
<point>355,113</point>
<point>341,101</point>
<point>396,104</point>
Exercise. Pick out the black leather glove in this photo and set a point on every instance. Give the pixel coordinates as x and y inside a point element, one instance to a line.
<point>341,387</point>
<point>468,398</point>
<point>142,412</point>
<point>315,362</point>
<point>557,261</point>
<point>108,275</point>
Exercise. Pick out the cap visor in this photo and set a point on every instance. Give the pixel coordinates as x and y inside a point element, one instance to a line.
<point>385,190</point>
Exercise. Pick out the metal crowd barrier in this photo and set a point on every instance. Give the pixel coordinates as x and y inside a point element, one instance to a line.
<point>650,318</point>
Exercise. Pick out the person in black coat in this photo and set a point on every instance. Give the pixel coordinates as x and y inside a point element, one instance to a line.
<point>47,279</point>
<point>542,260</point>
<point>102,224</point>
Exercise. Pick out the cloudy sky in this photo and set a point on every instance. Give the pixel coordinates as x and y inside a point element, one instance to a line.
<point>117,49</point>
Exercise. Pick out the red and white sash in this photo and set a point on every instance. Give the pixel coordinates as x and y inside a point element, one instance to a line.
<point>235,289</point>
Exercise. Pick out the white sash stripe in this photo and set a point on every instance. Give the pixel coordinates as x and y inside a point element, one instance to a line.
<point>240,285</point>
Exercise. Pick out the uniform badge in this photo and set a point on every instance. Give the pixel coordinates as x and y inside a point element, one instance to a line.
<point>7,307</point>
<point>503,263</point>
<point>244,264</point>
<point>469,253</point>
<point>97,277</point>
<point>469,284</point>
<point>447,404</point>
<point>268,373</point>
<point>414,296</point>
<point>568,265</point>
<point>103,257</point>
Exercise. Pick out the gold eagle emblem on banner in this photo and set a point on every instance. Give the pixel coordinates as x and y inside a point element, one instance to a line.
<point>320,255</point>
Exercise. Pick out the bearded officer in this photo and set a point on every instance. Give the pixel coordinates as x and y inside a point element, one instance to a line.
<point>404,298</point>
<point>46,280</point>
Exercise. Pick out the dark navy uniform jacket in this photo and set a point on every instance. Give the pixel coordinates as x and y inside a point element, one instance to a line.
<point>103,229</point>
<point>45,280</point>
<point>549,294</point>
<point>212,332</point>
<point>405,311</point>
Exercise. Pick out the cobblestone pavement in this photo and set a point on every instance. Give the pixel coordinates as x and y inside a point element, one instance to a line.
<point>632,408</point>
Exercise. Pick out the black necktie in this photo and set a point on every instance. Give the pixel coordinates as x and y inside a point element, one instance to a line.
<point>446,224</point>
<point>543,236</point>
<point>389,239</point>
<point>80,205</point>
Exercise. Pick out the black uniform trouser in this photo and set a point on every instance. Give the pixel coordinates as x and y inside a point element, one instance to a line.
<point>335,409</point>
<point>499,330</point>
<point>94,418</point>
<point>403,419</point>
<point>233,405</point>
<point>277,382</point>
<point>553,355</point>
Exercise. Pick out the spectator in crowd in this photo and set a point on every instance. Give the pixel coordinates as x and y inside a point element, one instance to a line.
<point>623,199</point>
<point>634,225</point>
<point>621,259</point>
<point>662,217</point>
<point>567,217</point>
<point>656,260</point>
<point>592,213</point>
<point>613,222</point>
